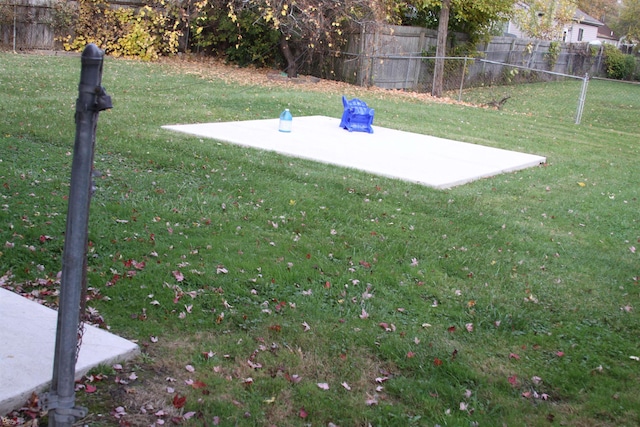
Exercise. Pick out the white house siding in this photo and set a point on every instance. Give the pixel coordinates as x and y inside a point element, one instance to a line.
<point>513,29</point>
<point>581,21</point>
<point>589,33</point>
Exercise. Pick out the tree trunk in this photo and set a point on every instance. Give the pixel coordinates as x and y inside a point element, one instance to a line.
<point>288,56</point>
<point>441,49</point>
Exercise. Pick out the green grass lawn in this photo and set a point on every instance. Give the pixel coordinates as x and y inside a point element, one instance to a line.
<point>266,290</point>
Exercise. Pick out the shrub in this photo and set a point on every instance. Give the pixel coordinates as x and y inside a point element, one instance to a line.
<point>618,65</point>
<point>242,38</point>
<point>145,33</point>
<point>555,48</point>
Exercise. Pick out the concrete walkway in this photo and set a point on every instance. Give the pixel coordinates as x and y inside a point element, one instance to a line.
<point>27,343</point>
<point>434,162</point>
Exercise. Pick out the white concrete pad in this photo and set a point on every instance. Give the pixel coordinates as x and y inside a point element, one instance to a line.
<point>431,161</point>
<point>27,347</point>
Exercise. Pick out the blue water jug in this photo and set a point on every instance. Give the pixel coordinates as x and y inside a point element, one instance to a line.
<point>285,121</point>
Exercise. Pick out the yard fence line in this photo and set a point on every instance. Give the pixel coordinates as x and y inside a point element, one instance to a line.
<point>391,57</point>
<point>404,47</point>
<point>462,73</point>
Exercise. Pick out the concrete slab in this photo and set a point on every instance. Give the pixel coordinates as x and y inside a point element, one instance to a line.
<point>27,343</point>
<point>427,160</point>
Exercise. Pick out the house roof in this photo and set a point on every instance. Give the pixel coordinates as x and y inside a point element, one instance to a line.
<point>604,32</point>
<point>582,18</point>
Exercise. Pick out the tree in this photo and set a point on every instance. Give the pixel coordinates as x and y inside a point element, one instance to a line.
<point>603,10</point>
<point>472,18</point>
<point>307,28</point>
<point>628,25</point>
<point>544,19</point>
<point>441,49</point>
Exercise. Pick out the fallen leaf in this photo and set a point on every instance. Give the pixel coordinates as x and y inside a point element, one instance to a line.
<point>89,388</point>
<point>190,368</point>
<point>370,401</point>
<point>178,276</point>
<point>323,386</point>
<point>306,326</point>
<point>293,378</point>
<point>513,380</point>
<point>437,362</point>
<point>346,386</point>
<point>302,413</point>
<point>254,365</point>
<point>364,314</point>
<point>198,385</point>
<point>514,356</point>
<point>179,401</point>
<point>119,412</point>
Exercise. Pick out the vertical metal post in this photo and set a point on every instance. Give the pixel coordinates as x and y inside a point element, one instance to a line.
<point>464,72</point>
<point>60,401</point>
<point>15,14</point>
<point>583,97</point>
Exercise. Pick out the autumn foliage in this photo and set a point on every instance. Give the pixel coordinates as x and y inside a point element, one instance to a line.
<point>146,33</point>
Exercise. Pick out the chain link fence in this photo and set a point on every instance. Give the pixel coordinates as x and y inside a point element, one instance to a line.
<point>517,88</point>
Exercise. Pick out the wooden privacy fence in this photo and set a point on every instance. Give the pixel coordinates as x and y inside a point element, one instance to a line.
<point>391,57</point>
<point>26,24</point>
<point>394,57</point>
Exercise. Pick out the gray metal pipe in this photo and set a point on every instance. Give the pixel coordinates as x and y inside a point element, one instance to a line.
<point>60,401</point>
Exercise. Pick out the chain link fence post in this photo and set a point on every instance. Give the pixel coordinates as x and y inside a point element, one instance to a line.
<point>583,97</point>
<point>60,401</point>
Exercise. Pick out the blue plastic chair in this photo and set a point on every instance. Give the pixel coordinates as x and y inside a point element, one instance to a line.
<point>357,117</point>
